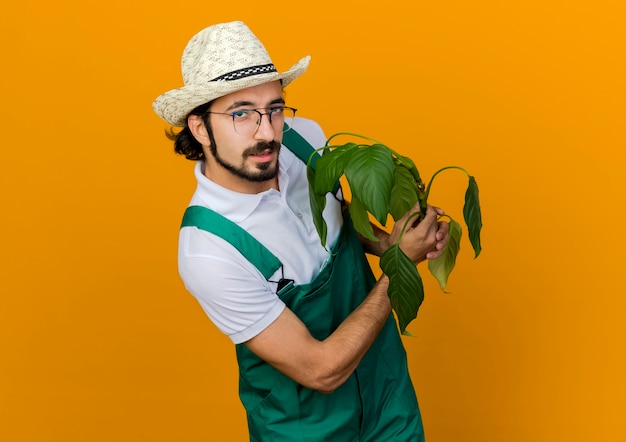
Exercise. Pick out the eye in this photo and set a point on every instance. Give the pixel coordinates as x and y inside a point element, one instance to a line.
<point>242,114</point>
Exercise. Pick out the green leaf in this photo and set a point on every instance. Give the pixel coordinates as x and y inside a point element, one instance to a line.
<point>406,290</point>
<point>317,202</point>
<point>472,215</point>
<point>403,193</point>
<point>331,165</point>
<point>370,176</point>
<point>361,220</point>
<point>442,266</point>
<point>410,165</point>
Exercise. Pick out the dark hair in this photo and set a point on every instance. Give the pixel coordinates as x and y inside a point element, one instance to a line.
<point>184,141</point>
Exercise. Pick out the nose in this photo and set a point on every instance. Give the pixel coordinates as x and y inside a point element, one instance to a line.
<point>265,130</point>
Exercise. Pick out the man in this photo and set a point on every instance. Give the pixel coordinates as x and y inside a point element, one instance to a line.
<point>319,351</point>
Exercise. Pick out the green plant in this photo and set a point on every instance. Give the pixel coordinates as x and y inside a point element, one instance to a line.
<point>382,183</point>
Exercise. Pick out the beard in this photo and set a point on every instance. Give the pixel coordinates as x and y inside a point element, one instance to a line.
<point>262,172</point>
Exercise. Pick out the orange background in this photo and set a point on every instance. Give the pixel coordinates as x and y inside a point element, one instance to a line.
<point>99,341</point>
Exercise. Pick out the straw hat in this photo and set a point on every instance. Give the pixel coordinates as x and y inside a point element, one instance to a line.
<point>221,59</point>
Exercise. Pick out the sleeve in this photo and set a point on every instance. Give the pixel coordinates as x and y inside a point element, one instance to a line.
<point>232,292</point>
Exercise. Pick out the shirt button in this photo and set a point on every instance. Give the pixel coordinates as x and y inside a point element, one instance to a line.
<point>300,215</point>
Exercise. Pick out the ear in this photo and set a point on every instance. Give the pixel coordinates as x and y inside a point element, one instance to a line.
<point>198,129</point>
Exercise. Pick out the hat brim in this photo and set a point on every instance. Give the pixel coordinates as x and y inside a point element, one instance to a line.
<point>174,106</point>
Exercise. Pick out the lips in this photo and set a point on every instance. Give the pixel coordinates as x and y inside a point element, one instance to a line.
<point>262,150</point>
<point>264,157</point>
<point>266,152</point>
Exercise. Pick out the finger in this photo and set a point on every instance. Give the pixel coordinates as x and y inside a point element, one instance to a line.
<point>443,235</point>
<point>439,247</point>
<point>433,255</point>
<point>430,222</point>
<point>443,243</point>
<point>443,230</point>
<point>431,214</point>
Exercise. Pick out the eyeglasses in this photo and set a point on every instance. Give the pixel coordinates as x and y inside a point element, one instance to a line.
<point>247,121</point>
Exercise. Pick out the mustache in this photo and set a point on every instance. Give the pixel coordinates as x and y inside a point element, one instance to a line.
<point>261,147</point>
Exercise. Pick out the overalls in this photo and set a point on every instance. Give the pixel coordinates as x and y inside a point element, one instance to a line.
<point>377,403</point>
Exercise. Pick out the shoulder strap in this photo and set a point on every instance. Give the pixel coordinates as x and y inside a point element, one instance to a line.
<point>255,252</point>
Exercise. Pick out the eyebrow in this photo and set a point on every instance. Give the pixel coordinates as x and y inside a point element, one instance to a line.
<point>237,104</point>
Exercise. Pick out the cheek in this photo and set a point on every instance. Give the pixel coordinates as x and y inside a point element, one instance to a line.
<point>222,133</point>
<point>229,148</point>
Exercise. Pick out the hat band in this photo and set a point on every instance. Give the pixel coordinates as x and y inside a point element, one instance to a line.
<point>246,72</point>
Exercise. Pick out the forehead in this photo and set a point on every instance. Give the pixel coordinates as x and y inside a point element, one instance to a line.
<point>259,95</point>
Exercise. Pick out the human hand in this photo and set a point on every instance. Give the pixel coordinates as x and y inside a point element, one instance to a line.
<point>422,239</point>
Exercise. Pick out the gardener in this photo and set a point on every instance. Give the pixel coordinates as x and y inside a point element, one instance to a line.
<point>319,351</point>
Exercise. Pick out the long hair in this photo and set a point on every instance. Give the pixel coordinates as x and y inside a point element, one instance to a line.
<point>184,141</point>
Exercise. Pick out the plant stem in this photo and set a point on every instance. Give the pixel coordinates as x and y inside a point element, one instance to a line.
<point>353,135</point>
<point>437,173</point>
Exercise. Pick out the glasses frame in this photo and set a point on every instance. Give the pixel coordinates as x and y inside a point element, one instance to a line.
<point>261,114</point>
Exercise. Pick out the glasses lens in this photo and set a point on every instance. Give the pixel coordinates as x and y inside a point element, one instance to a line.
<point>247,122</point>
